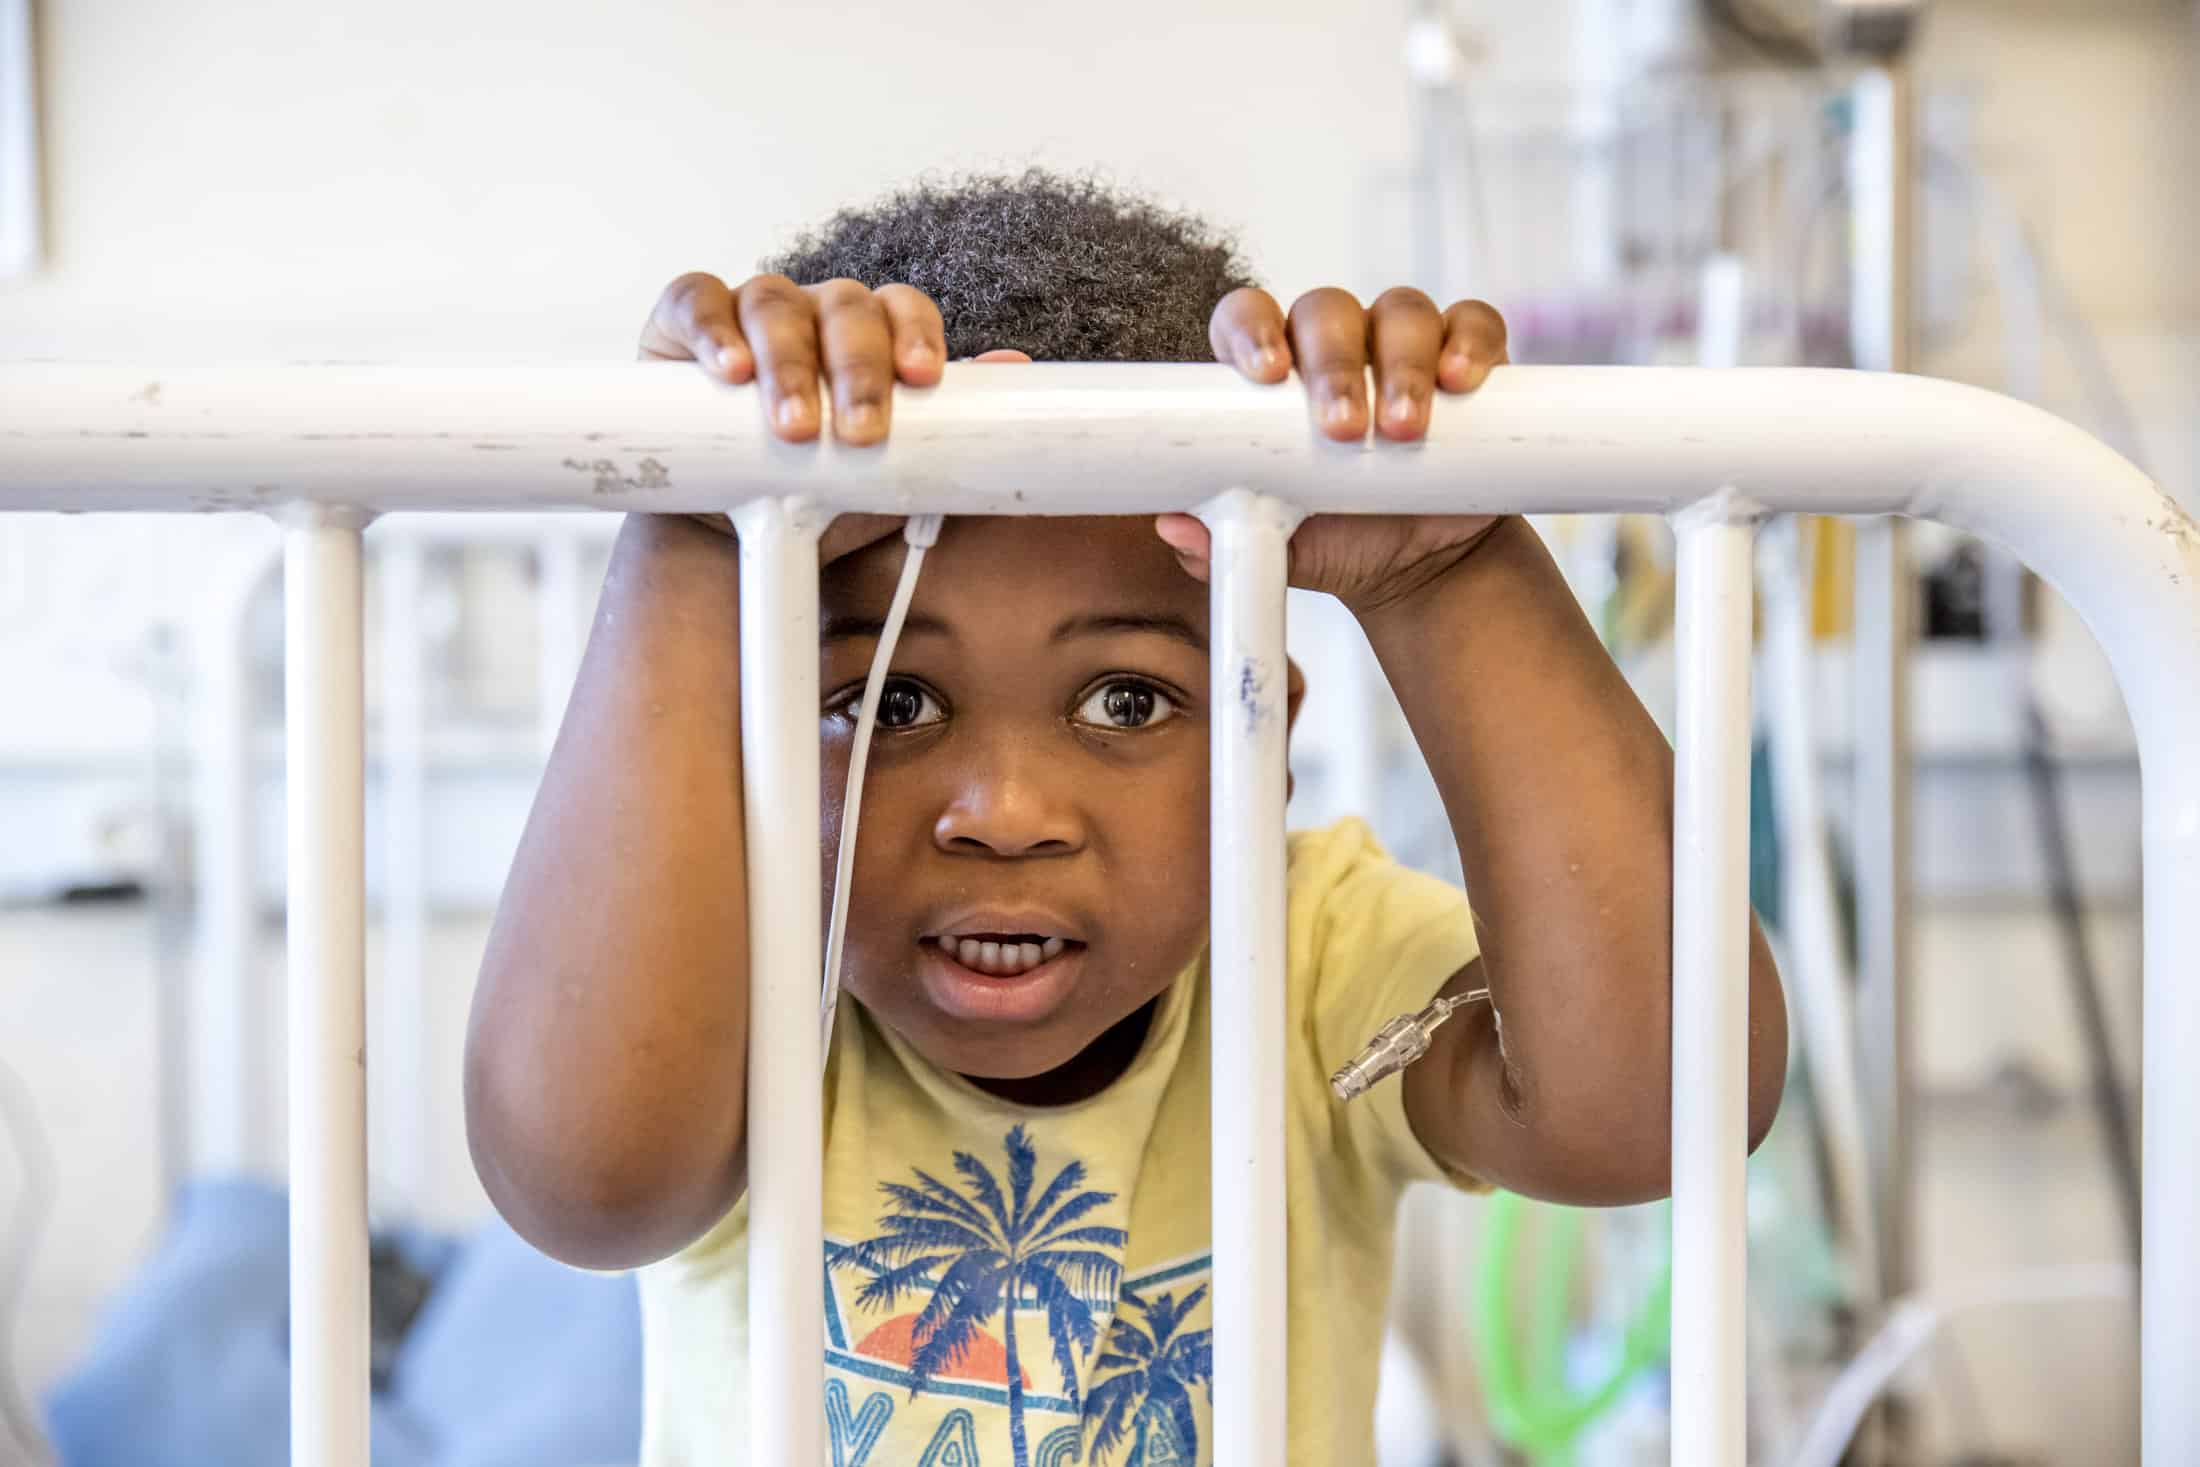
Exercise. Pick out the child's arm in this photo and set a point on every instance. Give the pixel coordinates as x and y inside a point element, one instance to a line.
<point>1559,787</point>
<point>1558,784</point>
<point>606,1061</point>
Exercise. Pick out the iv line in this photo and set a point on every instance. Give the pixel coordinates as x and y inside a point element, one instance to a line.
<point>1398,1044</point>
<point>919,533</point>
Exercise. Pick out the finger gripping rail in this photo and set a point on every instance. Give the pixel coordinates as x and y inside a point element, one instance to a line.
<point>321,447</point>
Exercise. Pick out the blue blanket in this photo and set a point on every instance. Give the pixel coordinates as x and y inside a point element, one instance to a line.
<point>513,1361</point>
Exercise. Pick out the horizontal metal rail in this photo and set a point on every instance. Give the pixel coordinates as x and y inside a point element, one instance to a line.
<point>319,446</point>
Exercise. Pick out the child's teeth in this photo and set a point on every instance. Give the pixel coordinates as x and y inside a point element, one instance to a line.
<point>1002,959</point>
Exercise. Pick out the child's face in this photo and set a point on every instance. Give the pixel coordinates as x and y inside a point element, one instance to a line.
<point>1037,782</point>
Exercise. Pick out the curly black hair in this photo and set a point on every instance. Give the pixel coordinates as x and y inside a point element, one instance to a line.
<point>1068,269</point>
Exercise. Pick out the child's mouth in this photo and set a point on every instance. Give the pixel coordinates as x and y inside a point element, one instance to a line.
<point>1002,954</point>
<point>999,977</point>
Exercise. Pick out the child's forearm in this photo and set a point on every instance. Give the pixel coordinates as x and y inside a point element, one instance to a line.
<point>606,1057</point>
<point>1559,787</point>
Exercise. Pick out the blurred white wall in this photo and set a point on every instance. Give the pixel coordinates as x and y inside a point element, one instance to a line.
<point>348,179</point>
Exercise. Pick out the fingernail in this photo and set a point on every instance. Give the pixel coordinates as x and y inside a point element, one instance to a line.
<point>1398,407</point>
<point>863,417</point>
<point>725,358</point>
<point>793,412</point>
<point>1339,412</point>
<point>1263,360</point>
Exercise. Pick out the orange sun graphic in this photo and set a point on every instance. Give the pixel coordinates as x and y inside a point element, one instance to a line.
<point>983,1359</point>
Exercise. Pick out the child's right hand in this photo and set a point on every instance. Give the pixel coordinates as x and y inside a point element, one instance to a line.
<point>785,337</point>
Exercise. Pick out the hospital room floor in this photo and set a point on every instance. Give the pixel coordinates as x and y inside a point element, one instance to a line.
<point>2056,1385</point>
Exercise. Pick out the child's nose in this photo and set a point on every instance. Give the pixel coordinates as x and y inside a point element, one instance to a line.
<point>1009,811</point>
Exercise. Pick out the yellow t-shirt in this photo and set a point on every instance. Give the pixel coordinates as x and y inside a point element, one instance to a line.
<point>930,1182</point>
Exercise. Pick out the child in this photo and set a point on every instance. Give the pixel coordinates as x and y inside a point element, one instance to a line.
<point>1016,1099</point>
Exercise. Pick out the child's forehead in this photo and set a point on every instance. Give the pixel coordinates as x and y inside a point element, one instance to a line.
<point>1026,565</point>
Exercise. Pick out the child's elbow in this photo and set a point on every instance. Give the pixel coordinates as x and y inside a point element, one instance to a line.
<point>1768,1038</point>
<point>1643,1170</point>
<point>581,1184</point>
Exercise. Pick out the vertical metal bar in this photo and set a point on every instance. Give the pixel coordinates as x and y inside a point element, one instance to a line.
<point>2167,717</point>
<point>2169,1311</point>
<point>1355,716</point>
<point>1816,965</point>
<point>1880,696</point>
<point>227,1053</point>
<point>324,710</point>
<point>22,237</point>
<point>1247,677</point>
<point>1881,187</point>
<point>1710,987</point>
<point>779,773</point>
<point>399,1095</point>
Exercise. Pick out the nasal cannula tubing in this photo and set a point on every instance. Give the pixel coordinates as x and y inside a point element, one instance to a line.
<point>1399,1043</point>
<point>920,533</point>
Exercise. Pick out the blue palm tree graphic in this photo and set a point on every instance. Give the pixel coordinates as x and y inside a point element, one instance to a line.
<point>1156,1370</point>
<point>991,1253</point>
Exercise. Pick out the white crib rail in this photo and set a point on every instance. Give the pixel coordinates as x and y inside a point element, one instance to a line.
<point>1723,447</point>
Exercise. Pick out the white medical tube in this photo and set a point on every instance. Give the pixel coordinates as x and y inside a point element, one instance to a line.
<point>1247,694</point>
<point>1710,1054</point>
<point>920,534</point>
<point>779,785</point>
<point>324,711</point>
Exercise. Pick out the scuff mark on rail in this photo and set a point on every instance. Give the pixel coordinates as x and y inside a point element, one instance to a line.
<point>648,474</point>
<point>1253,695</point>
<point>2178,526</point>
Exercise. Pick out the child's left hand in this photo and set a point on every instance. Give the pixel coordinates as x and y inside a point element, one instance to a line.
<point>1366,561</point>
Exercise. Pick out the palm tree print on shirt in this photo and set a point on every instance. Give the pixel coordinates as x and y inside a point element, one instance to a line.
<point>987,1253</point>
<point>1150,1396</point>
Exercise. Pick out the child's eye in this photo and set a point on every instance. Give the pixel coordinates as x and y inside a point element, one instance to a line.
<point>904,704</point>
<point>1126,704</point>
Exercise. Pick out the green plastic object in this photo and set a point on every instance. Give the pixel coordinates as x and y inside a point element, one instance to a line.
<point>1523,1370</point>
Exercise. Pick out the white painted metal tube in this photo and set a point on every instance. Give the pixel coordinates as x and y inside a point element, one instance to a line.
<point>227,1028</point>
<point>1078,438</point>
<point>1247,697</point>
<point>324,723</point>
<point>779,777</point>
<point>1112,438</point>
<point>1882,188</point>
<point>1710,985</point>
<point>1880,703</point>
<point>1815,967</point>
<point>2169,1308</point>
<point>401,1136</point>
